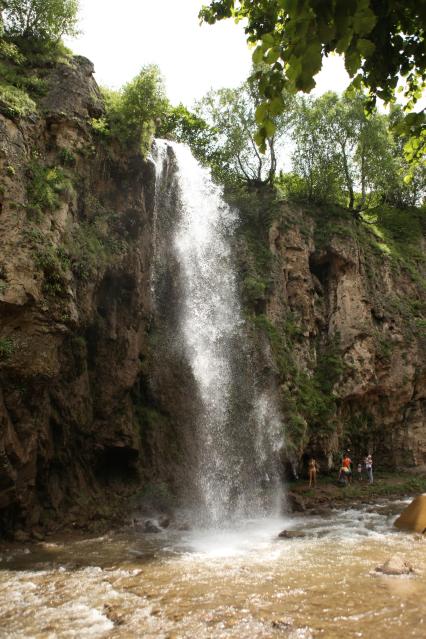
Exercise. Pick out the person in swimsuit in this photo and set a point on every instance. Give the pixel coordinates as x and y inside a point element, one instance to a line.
<point>312,470</point>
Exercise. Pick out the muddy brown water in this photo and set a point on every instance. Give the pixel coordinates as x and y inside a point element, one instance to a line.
<point>241,582</point>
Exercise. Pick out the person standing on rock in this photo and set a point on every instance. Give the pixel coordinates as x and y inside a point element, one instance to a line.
<point>369,468</point>
<point>312,470</point>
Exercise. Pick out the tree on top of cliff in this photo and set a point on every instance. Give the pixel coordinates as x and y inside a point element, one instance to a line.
<point>231,113</point>
<point>190,128</point>
<point>47,20</point>
<point>343,155</point>
<point>381,41</point>
<point>133,113</point>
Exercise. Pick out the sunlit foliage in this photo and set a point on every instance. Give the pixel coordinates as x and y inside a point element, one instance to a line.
<point>40,19</point>
<point>381,41</point>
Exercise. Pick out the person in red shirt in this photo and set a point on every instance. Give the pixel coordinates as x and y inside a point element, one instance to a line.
<point>347,465</point>
<point>346,469</point>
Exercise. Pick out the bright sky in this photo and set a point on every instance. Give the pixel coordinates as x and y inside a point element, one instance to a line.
<point>121,37</point>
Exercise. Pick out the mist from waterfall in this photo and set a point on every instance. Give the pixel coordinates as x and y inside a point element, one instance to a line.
<point>238,430</point>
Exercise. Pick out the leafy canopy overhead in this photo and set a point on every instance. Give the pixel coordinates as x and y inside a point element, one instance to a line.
<point>381,40</point>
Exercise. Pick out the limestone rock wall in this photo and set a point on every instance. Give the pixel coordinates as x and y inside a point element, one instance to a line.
<point>336,289</point>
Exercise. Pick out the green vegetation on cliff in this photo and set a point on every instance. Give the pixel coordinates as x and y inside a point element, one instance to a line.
<point>132,114</point>
<point>25,65</point>
<point>45,186</point>
<point>6,347</point>
<point>312,367</point>
<point>30,44</point>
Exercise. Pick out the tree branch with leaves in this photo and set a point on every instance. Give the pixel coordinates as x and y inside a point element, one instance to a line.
<point>381,41</point>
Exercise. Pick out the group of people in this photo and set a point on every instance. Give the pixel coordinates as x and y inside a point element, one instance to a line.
<point>364,469</point>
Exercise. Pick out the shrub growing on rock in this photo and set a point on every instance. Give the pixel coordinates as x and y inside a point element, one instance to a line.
<point>44,187</point>
<point>6,347</point>
<point>15,102</point>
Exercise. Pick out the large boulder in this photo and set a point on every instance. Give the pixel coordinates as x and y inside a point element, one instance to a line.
<point>73,92</point>
<point>396,566</point>
<point>151,527</point>
<point>413,518</point>
<point>294,503</point>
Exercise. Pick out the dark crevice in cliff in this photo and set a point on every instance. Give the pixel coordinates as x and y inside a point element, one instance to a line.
<point>320,267</point>
<point>117,465</point>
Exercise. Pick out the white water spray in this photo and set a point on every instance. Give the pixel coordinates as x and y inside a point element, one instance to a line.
<point>238,432</point>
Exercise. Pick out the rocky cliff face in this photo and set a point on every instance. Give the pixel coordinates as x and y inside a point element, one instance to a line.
<point>79,425</point>
<point>93,405</point>
<point>350,306</point>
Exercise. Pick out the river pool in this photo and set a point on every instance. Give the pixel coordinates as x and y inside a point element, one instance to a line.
<point>242,582</point>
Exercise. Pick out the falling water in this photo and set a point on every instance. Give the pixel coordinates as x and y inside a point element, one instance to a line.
<point>238,431</point>
<point>159,157</point>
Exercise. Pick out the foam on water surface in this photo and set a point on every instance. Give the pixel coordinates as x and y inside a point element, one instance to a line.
<point>229,582</point>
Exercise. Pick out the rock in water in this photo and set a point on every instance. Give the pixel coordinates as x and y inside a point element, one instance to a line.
<point>295,502</point>
<point>395,566</point>
<point>413,518</point>
<point>164,521</point>
<point>291,534</point>
<point>151,527</point>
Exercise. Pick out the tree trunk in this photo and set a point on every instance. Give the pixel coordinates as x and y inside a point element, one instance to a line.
<point>348,178</point>
<point>273,167</point>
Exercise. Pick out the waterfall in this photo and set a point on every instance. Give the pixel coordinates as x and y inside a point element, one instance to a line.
<point>238,431</point>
